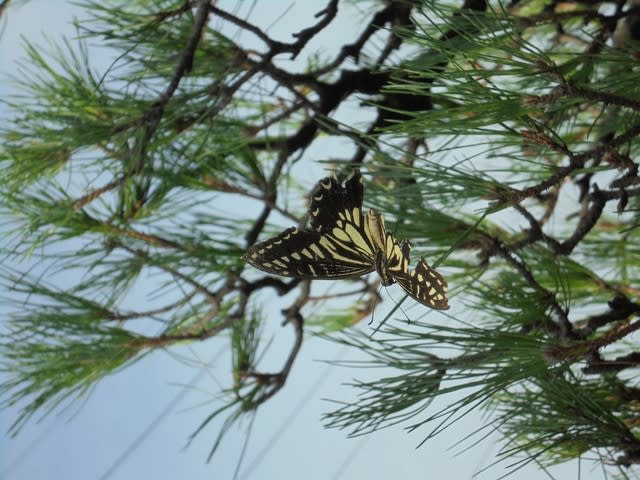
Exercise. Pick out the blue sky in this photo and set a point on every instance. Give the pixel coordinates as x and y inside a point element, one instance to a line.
<point>96,437</point>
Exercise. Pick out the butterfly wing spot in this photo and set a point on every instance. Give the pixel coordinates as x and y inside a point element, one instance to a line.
<point>315,249</point>
<point>296,256</point>
<point>326,243</point>
<point>340,234</point>
<point>279,263</point>
<point>356,216</point>
<point>432,292</point>
<point>354,235</point>
<point>315,212</point>
<point>307,253</point>
<point>312,270</point>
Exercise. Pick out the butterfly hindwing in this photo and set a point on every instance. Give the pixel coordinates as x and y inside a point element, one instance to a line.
<point>309,254</point>
<point>424,284</point>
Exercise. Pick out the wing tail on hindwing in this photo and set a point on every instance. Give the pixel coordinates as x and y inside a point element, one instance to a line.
<point>308,254</point>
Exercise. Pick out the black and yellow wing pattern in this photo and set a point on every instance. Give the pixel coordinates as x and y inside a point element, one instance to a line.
<point>309,254</point>
<point>338,244</point>
<point>343,242</point>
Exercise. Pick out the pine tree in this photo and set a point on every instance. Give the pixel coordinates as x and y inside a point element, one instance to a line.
<point>501,141</point>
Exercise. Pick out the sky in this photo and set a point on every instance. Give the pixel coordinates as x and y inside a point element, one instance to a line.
<point>136,423</point>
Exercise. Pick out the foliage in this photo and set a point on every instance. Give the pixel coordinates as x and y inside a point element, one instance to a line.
<point>502,141</point>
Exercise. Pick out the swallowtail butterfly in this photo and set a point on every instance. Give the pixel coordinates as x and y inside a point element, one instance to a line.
<point>344,242</point>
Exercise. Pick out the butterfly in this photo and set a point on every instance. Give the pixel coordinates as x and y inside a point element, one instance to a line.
<point>343,242</point>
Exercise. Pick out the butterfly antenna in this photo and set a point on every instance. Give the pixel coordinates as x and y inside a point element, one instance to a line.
<point>399,306</point>
<point>389,315</point>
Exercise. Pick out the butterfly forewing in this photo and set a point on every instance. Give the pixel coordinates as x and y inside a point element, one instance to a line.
<point>339,244</point>
<point>309,254</point>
